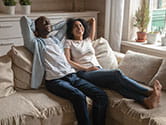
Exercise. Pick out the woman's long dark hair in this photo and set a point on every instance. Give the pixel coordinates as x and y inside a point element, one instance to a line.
<point>70,24</point>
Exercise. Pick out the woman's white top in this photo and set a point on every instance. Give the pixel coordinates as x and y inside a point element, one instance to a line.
<point>56,64</point>
<point>82,52</point>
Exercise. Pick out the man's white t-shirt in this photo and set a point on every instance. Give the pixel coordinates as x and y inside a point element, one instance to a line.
<point>82,52</point>
<point>56,64</point>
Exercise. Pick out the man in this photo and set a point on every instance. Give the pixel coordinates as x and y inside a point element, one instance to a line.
<point>61,78</point>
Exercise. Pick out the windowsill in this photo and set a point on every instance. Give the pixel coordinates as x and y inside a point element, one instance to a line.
<point>153,49</point>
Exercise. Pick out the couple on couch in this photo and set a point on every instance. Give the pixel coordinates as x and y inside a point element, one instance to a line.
<point>76,73</point>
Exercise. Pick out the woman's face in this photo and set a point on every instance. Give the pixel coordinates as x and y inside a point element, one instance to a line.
<point>78,29</point>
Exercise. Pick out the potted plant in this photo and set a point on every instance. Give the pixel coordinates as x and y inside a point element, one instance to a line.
<point>152,37</point>
<point>142,20</point>
<point>163,41</point>
<point>10,6</point>
<point>26,6</point>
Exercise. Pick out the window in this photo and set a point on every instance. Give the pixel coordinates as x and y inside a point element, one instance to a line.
<point>158,15</point>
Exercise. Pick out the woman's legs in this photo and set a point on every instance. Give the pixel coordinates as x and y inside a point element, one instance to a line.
<point>116,80</point>
<point>113,79</point>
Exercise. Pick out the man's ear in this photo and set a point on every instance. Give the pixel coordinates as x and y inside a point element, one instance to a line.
<point>36,34</point>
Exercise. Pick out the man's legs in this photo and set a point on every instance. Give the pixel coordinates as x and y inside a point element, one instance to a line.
<point>64,89</point>
<point>98,96</point>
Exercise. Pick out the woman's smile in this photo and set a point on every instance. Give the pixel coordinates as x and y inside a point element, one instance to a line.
<point>78,29</point>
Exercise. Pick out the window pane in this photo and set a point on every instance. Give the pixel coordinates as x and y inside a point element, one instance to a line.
<point>158,15</point>
<point>158,19</point>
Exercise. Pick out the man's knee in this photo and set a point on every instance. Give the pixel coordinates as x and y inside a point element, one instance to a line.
<point>102,98</point>
<point>78,96</point>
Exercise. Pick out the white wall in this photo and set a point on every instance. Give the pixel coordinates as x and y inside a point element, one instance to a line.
<point>48,5</point>
<point>98,5</point>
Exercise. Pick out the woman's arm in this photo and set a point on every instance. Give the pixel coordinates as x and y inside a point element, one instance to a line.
<point>92,23</point>
<point>27,26</point>
<point>77,65</point>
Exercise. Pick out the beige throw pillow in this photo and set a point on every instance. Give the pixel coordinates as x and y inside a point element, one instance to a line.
<point>22,66</point>
<point>22,78</point>
<point>160,75</point>
<point>140,67</point>
<point>104,54</point>
<point>6,76</point>
<point>22,58</point>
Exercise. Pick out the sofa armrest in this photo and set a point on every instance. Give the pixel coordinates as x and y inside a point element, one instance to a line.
<point>119,56</point>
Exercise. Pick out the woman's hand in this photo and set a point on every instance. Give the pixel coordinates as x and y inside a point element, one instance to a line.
<point>93,68</point>
<point>91,21</point>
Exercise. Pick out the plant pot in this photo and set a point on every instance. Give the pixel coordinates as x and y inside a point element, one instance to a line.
<point>26,9</point>
<point>141,36</point>
<point>152,38</point>
<point>10,10</point>
<point>163,41</point>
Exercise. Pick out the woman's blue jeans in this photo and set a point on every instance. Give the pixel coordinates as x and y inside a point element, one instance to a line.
<point>116,80</point>
<point>76,89</point>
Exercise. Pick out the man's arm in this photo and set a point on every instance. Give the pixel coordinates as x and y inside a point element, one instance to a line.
<point>27,26</point>
<point>58,25</point>
<point>61,27</point>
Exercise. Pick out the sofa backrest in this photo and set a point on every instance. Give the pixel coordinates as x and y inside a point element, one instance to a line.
<point>140,67</point>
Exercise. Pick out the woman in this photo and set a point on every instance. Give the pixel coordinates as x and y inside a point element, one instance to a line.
<point>81,55</point>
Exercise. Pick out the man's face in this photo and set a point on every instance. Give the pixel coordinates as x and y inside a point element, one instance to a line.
<point>43,26</point>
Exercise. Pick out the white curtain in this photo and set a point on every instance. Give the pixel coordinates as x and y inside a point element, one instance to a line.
<point>114,22</point>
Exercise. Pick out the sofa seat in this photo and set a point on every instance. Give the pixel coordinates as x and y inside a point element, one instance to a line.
<point>36,107</point>
<point>122,111</point>
<point>17,110</point>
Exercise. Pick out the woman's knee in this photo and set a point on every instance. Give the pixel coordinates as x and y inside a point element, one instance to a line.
<point>119,72</point>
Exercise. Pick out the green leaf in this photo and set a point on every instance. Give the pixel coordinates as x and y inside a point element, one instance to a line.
<point>25,2</point>
<point>9,2</point>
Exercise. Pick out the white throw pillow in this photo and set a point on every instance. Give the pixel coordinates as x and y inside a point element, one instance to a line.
<point>6,76</point>
<point>140,67</point>
<point>104,54</point>
<point>160,75</point>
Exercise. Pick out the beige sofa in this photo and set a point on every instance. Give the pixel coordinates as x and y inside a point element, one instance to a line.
<point>25,106</point>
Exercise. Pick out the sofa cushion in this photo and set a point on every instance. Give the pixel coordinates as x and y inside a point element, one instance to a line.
<point>36,107</point>
<point>129,112</point>
<point>119,56</point>
<point>104,54</point>
<point>22,78</point>
<point>51,105</point>
<point>22,58</point>
<point>17,110</point>
<point>6,76</point>
<point>22,66</point>
<point>140,67</point>
<point>161,75</point>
